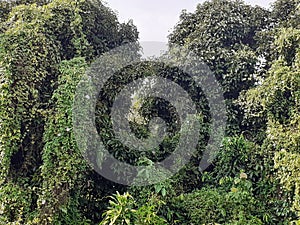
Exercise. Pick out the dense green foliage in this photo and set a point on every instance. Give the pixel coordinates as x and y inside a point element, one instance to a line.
<point>254,53</point>
<point>42,171</point>
<point>122,211</point>
<point>225,34</point>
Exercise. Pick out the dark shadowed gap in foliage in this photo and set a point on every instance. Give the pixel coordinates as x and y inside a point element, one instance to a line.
<point>150,107</point>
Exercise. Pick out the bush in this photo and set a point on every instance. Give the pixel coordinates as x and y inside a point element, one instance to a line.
<point>124,210</point>
<point>236,205</point>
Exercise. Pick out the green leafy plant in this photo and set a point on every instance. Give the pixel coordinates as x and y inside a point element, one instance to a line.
<point>124,210</point>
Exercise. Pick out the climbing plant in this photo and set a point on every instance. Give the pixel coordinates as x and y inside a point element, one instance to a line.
<point>38,83</point>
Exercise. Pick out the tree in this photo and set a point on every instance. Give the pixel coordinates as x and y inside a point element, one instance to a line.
<point>278,97</point>
<point>44,50</point>
<point>224,34</point>
<point>276,103</point>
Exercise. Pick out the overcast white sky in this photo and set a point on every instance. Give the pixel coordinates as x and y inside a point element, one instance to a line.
<point>156,18</point>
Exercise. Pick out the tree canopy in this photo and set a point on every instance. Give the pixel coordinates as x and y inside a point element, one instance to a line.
<point>46,48</point>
